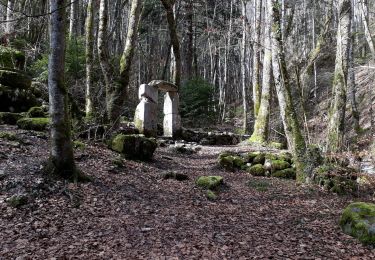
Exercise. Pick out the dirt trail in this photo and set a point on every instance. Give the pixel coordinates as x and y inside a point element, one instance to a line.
<point>132,213</point>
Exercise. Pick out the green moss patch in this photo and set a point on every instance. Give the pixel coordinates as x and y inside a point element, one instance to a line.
<point>11,58</point>
<point>209,182</point>
<point>17,201</point>
<point>358,220</point>
<point>259,159</point>
<point>285,174</point>
<point>230,161</point>
<point>256,170</point>
<point>37,112</point>
<point>259,185</point>
<point>8,136</point>
<point>37,124</point>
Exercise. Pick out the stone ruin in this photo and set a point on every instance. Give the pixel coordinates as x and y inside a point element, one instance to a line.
<point>146,114</point>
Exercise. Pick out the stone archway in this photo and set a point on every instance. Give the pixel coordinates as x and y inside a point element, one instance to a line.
<point>146,114</point>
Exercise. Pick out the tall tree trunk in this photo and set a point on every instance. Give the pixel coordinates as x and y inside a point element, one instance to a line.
<point>260,134</point>
<point>256,64</point>
<point>118,90</point>
<point>89,59</point>
<point>364,12</point>
<point>73,25</point>
<point>61,158</point>
<point>9,27</point>
<point>336,125</point>
<point>288,114</point>
<point>190,39</point>
<point>168,6</point>
<point>243,69</point>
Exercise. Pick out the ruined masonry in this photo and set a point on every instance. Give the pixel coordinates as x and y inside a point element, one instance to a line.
<point>146,114</point>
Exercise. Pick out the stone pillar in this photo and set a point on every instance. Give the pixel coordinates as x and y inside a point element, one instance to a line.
<point>146,113</point>
<point>172,119</point>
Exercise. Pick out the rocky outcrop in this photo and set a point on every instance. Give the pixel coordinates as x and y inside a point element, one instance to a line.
<point>358,220</point>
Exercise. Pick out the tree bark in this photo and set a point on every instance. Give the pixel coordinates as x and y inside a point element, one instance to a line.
<point>364,11</point>
<point>260,133</point>
<point>9,27</point>
<point>117,91</point>
<point>288,114</point>
<point>256,64</point>
<point>336,125</point>
<point>61,158</point>
<point>89,59</point>
<point>73,25</point>
<point>168,6</point>
<point>243,69</point>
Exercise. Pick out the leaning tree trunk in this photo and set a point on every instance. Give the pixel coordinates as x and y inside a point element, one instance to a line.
<point>89,59</point>
<point>364,12</point>
<point>256,64</point>
<point>117,91</point>
<point>243,70</point>
<point>168,5</point>
<point>260,134</point>
<point>336,125</point>
<point>288,114</point>
<point>61,158</point>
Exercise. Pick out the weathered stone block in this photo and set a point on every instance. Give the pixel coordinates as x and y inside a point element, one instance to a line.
<point>171,103</point>
<point>146,91</point>
<point>172,125</point>
<point>145,118</point>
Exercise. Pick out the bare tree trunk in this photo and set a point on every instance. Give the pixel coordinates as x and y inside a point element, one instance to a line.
<point>61,158</point>
<point>256,64</point>
<point>168,5</point>
<point>364,11</point>
<point>89,59</point>
<point>9,27</point>
<point>243,69</point>
<point>336,126</point>
<point>288,114</point>
<point>73,25</point>
<point>260,134</point>
<point>118,90</point>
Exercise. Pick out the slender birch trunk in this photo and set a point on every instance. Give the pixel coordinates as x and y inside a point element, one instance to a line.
<point>256,63</point>
<point>9,27</point>
<point>243,69</point>
<point>336,125</point>
<point>89,59</point>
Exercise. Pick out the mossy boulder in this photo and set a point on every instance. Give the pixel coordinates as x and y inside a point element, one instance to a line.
<point>211,195</point>
<point>285,174</point>
<point>230,161</point>
<point>249,157</point>
<point>8,136</point>
<point>11,58</point>
<point>37,124</point>
<point>288,157</point>
<point>136,147</point>
<point>14,79</point>
<point>358,220</point>
<point>36,112</point>
<point>210,182</point>
<point>277,145</point>
<point>9,118</point>
<point>259,159</point>
<point>278,165</point>
<point>256,170</point>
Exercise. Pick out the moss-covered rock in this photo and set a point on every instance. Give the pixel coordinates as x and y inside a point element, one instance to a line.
<point>14,79</point>
<point>256,170</point>
<point>16,99</point>
<point>175,176</point>
<point>288,173</point>
<point>231,161</point>
<point>226,162</point>
<point>36,112</point>
<point>259,159</point>
<point>249,157</point>
<point>358,220</point>
<point>134,146</point>
<point>37,124</point>
<point>79,145</point>
<point>288,157</point>
<point>209,182</point>
<point>278,165</point>
<point>337,179</point>
<point>9,118</point>
<point>11,58</point>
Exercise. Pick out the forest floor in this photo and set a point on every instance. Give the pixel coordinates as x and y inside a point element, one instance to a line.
<point>131,212</point>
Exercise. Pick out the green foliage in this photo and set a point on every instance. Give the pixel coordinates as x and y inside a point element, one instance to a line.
<point>75,61</point>
<point>197,101</point>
